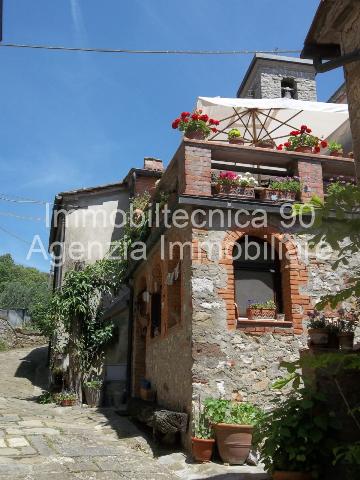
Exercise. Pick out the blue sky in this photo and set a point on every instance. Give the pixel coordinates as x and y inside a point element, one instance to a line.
<point>71,120</point>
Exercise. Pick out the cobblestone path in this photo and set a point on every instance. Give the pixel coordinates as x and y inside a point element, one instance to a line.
<point>39,442</point>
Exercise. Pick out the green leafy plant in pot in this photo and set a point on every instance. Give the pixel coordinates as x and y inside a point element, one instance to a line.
<point>347,324</point>
<point>318,329</point>
<point>233,425</point>
<point>296,437</point>
<point>234,136</point>
<point>202,441</point>
<point>93,390</point>
<point>66,398</point>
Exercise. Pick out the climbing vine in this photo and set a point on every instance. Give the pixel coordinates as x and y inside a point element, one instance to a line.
<point>77,308</point>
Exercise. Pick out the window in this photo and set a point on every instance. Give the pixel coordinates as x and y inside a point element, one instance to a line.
<point>257,274</point>
<point>156,314</point>
<point>288,88</point>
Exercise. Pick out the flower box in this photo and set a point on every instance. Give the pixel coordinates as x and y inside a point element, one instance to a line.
<point>236,190</point>
<point>304,149</point>
<point>275,195</point>
<point>265,144</point>
<point>255,313</point>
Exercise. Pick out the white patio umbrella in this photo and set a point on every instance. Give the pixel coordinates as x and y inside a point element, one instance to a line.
<point>273,119</point>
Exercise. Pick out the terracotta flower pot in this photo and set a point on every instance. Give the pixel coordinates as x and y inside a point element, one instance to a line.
<point>195,135</point>
<point>304,149</point>
<point>202,449</point>
<point>67,403</point>
<point>291,476</point>
<point>346,341</point>
<point>265,144</point>
<point>236,141</point>
<point>234,442</point>
<point>336,153</point>
<point>241,192</point>
<point>260,313</point>
<point>318,336</point>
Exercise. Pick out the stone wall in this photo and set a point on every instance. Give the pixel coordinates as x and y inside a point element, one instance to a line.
<point>16,337</point>
<point>236,362</point>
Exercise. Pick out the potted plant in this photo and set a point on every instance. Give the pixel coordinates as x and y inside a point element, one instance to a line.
<point>233,424</point>
<point>202,441</point>
<point>258,311</point>
<point>347,322</point>
<point>295,438</point>
<point>241,185</point>
<point>195,125</point>
<point>92,390</point>
<point>265,143</point>
<point>66,398</point>
<point>234,136</point>
<point>336,149</point>
<point>302,141</point>
<point>282,188</point>
<point>318,329</point>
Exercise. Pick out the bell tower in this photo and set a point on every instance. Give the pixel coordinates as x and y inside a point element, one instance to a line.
<point>274,76</point>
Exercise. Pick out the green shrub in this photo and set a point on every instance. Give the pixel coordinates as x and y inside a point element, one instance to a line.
<point>226,411</point>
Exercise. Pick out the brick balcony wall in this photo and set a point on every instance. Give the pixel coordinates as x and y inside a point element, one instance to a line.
<point>195,171</point>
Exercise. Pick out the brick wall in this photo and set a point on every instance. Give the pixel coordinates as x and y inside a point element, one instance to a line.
<point>311,178</point>
<point>195,173</point>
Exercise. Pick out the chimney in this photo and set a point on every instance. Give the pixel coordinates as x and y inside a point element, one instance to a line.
<point>153,164</point>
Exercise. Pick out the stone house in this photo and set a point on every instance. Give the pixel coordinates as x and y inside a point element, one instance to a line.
<point>335,36</point>
<point>191,335</point>
<point>84,224</point>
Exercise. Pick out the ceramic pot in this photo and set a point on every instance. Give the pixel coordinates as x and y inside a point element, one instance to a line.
<point>318,336</point>
<point>236,141</point>
<point>233,442</point>
<point>336,154</point>
<point>195,135</point>
<point>277,195</point>
<point>304,149</point>
<point>67,403</point>
<point>202,449</point>
<point>346,341</point>
<point>241,192</point>
<point>260,313</point>
<point>93,396</point>
<point>265,144</point>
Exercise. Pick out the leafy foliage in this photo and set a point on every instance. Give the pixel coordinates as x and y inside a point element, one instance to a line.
<point>226,411</point>
<point>337,224</point>
<point>22,287</point>
<point>286,184</point>
<point>297,435</point>
<point>234,133</point>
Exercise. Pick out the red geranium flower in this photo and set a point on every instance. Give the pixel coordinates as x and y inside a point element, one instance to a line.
<point>324,144</point>
<point>279,147</point>
<point>308,130</point>
<point>195,116</point>
<point>214,130</point>
<point>216,122</point>
<point>303,128</point>
<point>204,118</point>
<point>287,144</point>
<point>295,133</point>
<point>184,115</point>
<point>175,123</point>
<point>317,149</point>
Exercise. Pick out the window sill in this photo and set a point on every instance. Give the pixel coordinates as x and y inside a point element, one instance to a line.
<point>266,322</point>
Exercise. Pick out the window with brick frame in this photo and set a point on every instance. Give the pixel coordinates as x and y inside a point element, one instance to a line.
<point>257,274</point>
